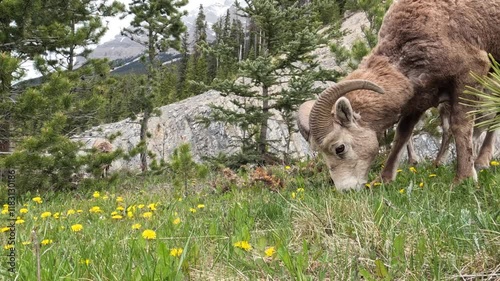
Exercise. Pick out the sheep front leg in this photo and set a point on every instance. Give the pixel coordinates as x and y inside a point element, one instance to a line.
<point>404,131</point>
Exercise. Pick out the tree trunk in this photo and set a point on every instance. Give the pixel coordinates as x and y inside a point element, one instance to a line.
<point>263,125</point>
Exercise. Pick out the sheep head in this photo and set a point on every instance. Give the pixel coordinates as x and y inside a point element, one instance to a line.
<point>331,127</point>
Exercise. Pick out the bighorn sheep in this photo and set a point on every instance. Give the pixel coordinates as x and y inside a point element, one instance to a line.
<point>104,146</point>
<point>426,50</point>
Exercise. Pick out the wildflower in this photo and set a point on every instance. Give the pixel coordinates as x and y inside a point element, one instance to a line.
<point>19,221</point>
<point>270,251</point>
<point>152,206</point>
<point>47,241</point>
<point>130,214</point>
<point>140,206</point>
<point>177,221</point>
<point>136,226</point>
<point>179,199</point>
<point>25,243</point>
<point>377,184</point>
<point>5,211</point>
<point>399,170</point>
<point>79,211</point>
<point>243,245</point>
<point>294,195</point>
<point>117,217</point>
<point>287,167</point>
<point>300,189</point>
<point>4,229</point>
<point>176,252</point>
<point>192,210</point>
<point>432,175</point>
<point>5,206</point>
<point>147,215</point>
<point>76,227</point>
<point>149,234</point>
<point>402,191</point>
<point>120,208</point>
<point>201,206</point>
<point>413,170</point>
<point>85,261</point>
<point>105,197</point>
<point>23,211</point>
<point>421,184</point>
<point>114,213</point>
<point>494,163</point>
<point>95,209</point>
<point>56,215</point>
<point>45,215</point>
<point>367,185</point>
<point>38,200</point>
<point>96,194</point>
<point>8,247</point>
<point>119,199</point>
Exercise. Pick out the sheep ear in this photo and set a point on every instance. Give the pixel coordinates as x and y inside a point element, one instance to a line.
<point>303,118</point>
<point>343,112</point>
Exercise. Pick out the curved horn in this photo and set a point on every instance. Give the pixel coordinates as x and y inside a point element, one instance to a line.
<point>321,122</point>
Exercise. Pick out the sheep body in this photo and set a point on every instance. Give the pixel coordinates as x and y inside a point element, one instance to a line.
<point>425,52</point>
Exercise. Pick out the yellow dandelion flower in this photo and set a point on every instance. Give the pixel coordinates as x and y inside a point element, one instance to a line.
<point>494,163</point>
<point>287,167</point>
<point>47,241</point>
<point>25,243</point>
<point>119,199</point>
<point>114,213</point>
<point>243,245</point>
<point>149,234</point>
<point>120,208</point>
<point>117,217</point>
<point>77,227</point>
<point>45,215</point>
<point>300,189</point>
<point>176,252</point>
<point>70,212</point>
<point>8,247</point>
<point>294,195</point>
<point>432,175</point>
<point>79,211</point>
<point>192,210</point>
<point>399,170</point>
<point>201,206</point>
<point>5,211</point>
<point>5,206</point>
<point>23,211</point>
<point>85,262</point>
<point>177,221</point>
<point>270,251</point>
<point>421,184</point>
<point>413,170</point>
<point>140,206</point>
<point>95,209</point>
<point>152,206</point>
<point>104,197</point>
<point>147,215</point>
<point>402,190</point>
<point>38,200</point>
<point>4,229</point>
<point>367,185</point>
<point>179,199</point>
<point>19,221</point>
<point>130,214</point>
<point>96,194</point>
<point>377,184</point>
<point>136,226</point>
<point>56,215</point>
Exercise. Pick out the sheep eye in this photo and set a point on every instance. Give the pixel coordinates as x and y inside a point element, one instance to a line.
<point>340,149</point>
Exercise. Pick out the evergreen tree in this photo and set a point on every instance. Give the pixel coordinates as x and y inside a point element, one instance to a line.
<point>286,36</point>
<point>197,67</point>
<point>156,25</point>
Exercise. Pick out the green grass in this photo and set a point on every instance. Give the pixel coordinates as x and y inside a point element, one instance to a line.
<point>399,231</point>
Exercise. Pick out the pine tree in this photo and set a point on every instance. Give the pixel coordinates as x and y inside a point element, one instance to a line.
<point>284,37</point>
<point>157,25</point>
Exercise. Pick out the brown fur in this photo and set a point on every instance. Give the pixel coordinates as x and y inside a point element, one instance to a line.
<point>104,147</point>
<point>425,52</point>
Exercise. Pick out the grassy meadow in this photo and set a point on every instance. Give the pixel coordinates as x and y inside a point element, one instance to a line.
<point>276,223</point>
